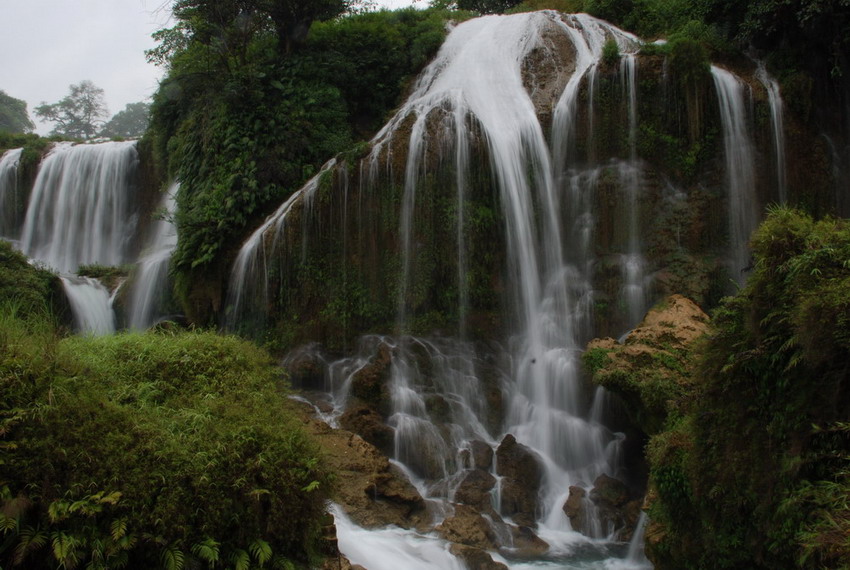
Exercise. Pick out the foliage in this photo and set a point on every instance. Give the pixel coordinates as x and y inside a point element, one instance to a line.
<point>131,122</point>
<point>762,487</point>
<point>150,450</point>
<point>13,115</point>
<point>610,53</point>
<point>29,287</point>
<point>242,126</point>
<point>79,114</point>
<point>487,6</point>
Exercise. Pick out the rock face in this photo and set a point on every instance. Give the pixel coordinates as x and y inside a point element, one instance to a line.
<point>370,490</point>
<point>609,502</point>
<point>475,489</point>
<point>368,424</point>
<point>651,370</point>
<point>521,474</point>
<point>369,384</point>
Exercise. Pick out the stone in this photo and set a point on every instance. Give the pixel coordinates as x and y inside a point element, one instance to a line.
<point>368,424</point>
<point>475,489</point>
<point>609,492</point>
<point>575,508</point>
<point>306,367</point>
<point>369,384</point>
<point>526,543</point>
<point>482,454</point>
<point>516,461</point>
<point>475,558</point>
<point>522,473</point>
<point>467,526</point>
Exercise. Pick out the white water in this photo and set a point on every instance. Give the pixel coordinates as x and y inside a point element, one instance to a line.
<point>249,278</point>
<point>150,281</point>
<point>80,207</point>
<point>635,294</point>
<point>740,169</point>
<point>777,122</point>
<point>91,305</point>
<point>9,194</point>
<point>474,92</point>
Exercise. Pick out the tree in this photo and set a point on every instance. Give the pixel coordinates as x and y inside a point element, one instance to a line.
<point>80,114</point>
<point>131,122</point>
<point>13,115</point>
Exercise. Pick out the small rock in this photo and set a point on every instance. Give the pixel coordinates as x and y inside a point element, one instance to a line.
<point>475,558</point>
<point>475,489</point>
<point>467,526</point>
<point>482,454</point>
<point>368,424</point>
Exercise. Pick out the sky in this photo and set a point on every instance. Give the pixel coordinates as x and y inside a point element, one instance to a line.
<point>48,45</point>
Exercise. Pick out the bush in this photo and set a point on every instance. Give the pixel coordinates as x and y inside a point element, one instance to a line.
<point>153,450</point>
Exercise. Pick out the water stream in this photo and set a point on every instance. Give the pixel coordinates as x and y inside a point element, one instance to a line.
<point>10,223</point>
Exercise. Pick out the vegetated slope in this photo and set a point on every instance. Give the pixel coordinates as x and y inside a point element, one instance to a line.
<point>752,466</point>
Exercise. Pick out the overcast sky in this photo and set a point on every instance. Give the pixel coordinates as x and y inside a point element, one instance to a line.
<point>48,45</point>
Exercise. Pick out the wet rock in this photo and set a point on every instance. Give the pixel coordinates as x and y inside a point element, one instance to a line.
<point>306,367</point>
<point>370,490</point>
<point>368,424</point>
<point>609,492</point>
<point>526,544</point>
<point>467,526</point>
<point>369,384</point>
<point>522,474</point>
<point>519,502</point>
<point>475,558</point>
<point>475,489</point>
<point>575,508</point>
<point>482,455</point>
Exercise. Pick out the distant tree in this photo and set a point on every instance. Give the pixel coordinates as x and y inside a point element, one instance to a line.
<point>13,115</point>
<point>80,114</point>
<point>131,122</point>
<point>487,6</point>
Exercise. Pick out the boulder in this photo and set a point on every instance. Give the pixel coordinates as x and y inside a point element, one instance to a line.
<point>370,383</point>
<point>482,454</point>
<point>306,367</point>
<point>475,489</point>
<point>475,558</point>
<point>575,508</point>
<point>522,473</point>
<point>467,526</point>
<point>526,544</point>
<point>368,424</point>
<point>609,492</point>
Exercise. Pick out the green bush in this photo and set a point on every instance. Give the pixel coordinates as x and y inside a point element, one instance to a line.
<point>151,450</point>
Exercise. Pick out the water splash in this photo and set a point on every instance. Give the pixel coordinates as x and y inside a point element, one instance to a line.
<point>91,305</point>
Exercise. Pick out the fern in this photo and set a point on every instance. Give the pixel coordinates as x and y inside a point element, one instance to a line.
<point>207,550</point>
<point>241,560</point>
<point>172,558</point>
<point>261,551</point>
<point>65,549</point>
<point>30,540</point>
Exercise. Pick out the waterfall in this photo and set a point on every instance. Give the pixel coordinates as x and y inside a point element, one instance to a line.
<point>248,291</point>
<point>633,266</point>
<point>9,194</point>
<point>740,169</point>
<point>150,281</point>
<point>91,305</point>
<point>80,208</point>
<point>775,100</point>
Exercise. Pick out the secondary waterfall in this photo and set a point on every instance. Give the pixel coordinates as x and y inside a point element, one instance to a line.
<point>91,304</point>
<point>744,210</point>
<point>778,124</point>
<point>150,280</point>
<point>10,194</point>
<point>81,206</point>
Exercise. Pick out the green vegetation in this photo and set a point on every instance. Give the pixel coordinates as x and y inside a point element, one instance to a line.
<point>150,450</point>
<point>13,115</point>
<point>244,123</point>
<point>30,289</point>
<point>753,471</point>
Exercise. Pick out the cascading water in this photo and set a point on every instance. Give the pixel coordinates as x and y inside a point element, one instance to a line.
<point>744,210</point>
<point>474,91</point>
<point>80,209</point>
<point>91,305</point>
<point>634,292</point>
<point>774,98</point>
<point>150,281</point>
<point>9,194</point>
